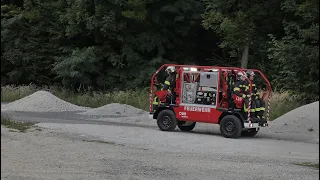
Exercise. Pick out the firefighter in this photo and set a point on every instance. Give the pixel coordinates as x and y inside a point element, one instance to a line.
<point>156,100</point>
<point>170,80</point>
<point>241,90</point>
<point>260,104</point>
<point>169,83</point>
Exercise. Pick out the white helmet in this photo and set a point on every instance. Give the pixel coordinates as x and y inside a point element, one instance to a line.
<point>170,69</point>
<point>240,74</point>
<point>250,73</point>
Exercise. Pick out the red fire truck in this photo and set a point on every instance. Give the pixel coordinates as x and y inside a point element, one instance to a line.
<point>204,94</point>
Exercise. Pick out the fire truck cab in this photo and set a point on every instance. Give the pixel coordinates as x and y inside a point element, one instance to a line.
<point>204,94</point>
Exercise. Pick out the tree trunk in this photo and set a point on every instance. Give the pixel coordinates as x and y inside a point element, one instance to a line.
<point>245,55</point>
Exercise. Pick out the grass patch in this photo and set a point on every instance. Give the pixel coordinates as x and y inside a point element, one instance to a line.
<point>308,164</point>
<point>12,93</point>
<point>139,99</point>
<point>18,125</point>
<point>281,101</point>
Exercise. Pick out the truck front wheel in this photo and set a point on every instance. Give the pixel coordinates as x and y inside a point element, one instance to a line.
<point>166,120</point>
<point>230,126</point>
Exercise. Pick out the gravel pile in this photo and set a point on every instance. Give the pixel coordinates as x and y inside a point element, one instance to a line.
<point>114,109</point>
<point>41,101</point>
<point>299,124</point>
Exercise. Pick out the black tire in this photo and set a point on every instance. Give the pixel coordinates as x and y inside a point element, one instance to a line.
<point>166,120</point>
<point>230,126</point>
<point>249,133</point>
<point>187,128</point>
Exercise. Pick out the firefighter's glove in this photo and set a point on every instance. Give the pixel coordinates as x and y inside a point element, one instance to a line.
<point>248,96</point>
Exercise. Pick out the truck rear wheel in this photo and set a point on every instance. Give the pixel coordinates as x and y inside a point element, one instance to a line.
<point>187,127</point>
<point>230,126</point>
<point>249,133</point>
<point>166,120</point>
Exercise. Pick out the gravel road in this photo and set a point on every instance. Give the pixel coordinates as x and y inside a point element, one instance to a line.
<point>70,145</point>
<point>72,117</point>
<point>82,151</point>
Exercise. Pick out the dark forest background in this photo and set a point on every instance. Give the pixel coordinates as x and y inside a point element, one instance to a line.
<point>106,44</point>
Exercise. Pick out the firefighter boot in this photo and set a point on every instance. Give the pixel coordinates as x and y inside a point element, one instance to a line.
<point>261,113</point>
<point>262,119</point>
<point>253,117</point>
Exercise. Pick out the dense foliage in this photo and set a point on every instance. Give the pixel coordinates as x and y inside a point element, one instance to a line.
<point>107,44</point>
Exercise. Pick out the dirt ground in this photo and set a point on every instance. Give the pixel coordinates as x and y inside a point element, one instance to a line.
<point>83,151</point>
